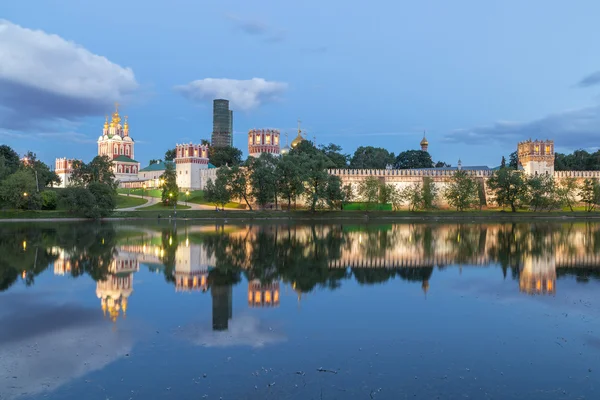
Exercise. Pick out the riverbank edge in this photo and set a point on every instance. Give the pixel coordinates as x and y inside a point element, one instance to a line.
<point>325,216</point>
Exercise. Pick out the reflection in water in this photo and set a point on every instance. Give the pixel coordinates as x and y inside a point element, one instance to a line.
<point>270,259</point>
<point>205,258</point>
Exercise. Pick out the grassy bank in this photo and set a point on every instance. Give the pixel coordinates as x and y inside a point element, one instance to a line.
<point>158,211</point>
<point>126,201</point>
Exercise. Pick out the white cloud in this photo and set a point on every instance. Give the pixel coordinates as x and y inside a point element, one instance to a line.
<point>242,94</point>
<point>570,129</point>
<point>44,77</point>
<point>257,28</point>
<point>243,331</point>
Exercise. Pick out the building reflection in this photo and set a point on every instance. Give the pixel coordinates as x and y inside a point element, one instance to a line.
<point>222,306</point>
<point>538,275</point>
<point>263,294</point>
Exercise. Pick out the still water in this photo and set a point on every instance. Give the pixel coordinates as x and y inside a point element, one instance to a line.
<point>186,311</point>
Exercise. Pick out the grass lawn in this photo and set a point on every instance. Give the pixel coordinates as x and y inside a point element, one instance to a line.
<point>367,206</point>
<point>126,202</point>
<point>160,207</point>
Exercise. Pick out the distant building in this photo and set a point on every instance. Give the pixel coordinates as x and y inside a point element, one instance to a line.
<point>222,134</point>
<point>64,168</point>
<point>424,143</point>
<point>116,144</point>
<point>536,156</point>
<point>192,166</point>
<point>263,294</point>
<point>263,141</point>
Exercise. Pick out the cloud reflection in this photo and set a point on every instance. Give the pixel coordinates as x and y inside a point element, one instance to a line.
<point>243,331</point>
<point>44,346</point>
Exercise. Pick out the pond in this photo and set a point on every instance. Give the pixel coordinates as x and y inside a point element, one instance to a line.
<point>341,311</point>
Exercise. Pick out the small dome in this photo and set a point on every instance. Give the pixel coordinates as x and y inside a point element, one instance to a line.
<point>424,142</point>
<point>100,137</point>
<point>297,140</point>
<point>128,139</point>
<point>117,137</point>
<point>285,150</point>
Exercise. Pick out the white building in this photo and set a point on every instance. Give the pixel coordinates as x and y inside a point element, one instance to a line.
<point>192,166</point>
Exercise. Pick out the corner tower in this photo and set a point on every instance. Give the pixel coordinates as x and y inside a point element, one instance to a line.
<point>536,156</point>
<point>191,160</point>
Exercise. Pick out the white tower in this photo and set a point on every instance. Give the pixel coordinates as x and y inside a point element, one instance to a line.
<point>191,164</point>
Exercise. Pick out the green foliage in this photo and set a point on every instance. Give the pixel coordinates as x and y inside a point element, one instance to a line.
<point>224,156</point>
<point>368,190</point>
<point>44,176</point>
<point>347,194</point>
<point>503,162</point>
<point>579,160</point>
<point>461,191</point>
<point>19,191</point>
<point>316,177</point>
<point>542,193</point>
<point>334,195</point>
<point>97,170</point>
<point>385,193</point>
<point>441,164</point>
<point>481,196</point>
<point>49,200</point>
<point>155,161</point>
<point>397,197</point>
<point>370,157</point>
<point>263,178</point>
<point>79,201</point>
<point>333,152</point>
<point>413,159</point>
<point>429,194</point>
<point>509,187</point>
<point>290,178</point>
<point>105,199</point>
<point>513,160</point>
<point>589,193</point>
<point>237,180</point>
<point>413,195</point>
<point>217,192</point>
<point>170,154</point>
<point>11,160</point>
<point>566,191</point>
<point>170,190</point>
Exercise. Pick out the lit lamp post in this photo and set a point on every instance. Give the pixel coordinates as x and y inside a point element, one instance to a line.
<point>144,190</point>
<point>25,195</point>
<point>187,194</point>
<point>174,209</point>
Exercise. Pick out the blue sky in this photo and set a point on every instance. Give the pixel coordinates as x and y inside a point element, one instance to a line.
<point>478,76</point>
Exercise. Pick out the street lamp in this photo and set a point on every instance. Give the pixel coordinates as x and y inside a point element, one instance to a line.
<point>187,194</point>
<point>174,203</point>
<point>144,190</point>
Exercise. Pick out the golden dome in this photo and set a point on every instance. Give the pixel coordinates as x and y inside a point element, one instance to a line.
<point>297,140</point>
<point>106,122</point>
<point>424,142</point>
<point>126,125</point>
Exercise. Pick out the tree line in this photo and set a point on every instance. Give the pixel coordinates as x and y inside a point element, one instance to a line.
<point>28,184</point>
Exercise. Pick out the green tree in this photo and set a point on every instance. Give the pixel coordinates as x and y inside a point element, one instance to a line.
<point>413,195</point>
<point>263,179</point>
<point>238,180</point>
<point>18,191</point>
<point>334,194</point>
<point>503,162</point>
<point>589,193</point>
<point>481,194</point>
<point>441,164</point>
<point>224,156</point>
<point>370,157</point>
<point>155,161</point>
<point>97,170</point>
<point>509,187</point>
<point>347,194</point>
<point>429,193</point>
<point>513,160</point>
<point>413,159</point>
<point>316,176</point>
<point>104,198</point>
<point>461,191</point>
<point>566,190</point>
<point>170,190</point>
<point>171,154</point>
<point>78,200</point>
<point>541,192</point>
<point>11,159</point>
<point>217,192</point>
<point>368,190</point>
<point>397,197</point>
<point>44,176</point>
<point>290,179</point>
<point>385,193</point>
<point>335,155</point>
<point>49,200</point>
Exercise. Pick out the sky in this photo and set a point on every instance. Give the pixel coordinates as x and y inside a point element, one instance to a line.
<point>478,77</point>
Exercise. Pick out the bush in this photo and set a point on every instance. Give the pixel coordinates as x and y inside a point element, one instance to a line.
<point>78,201</point>
<point>105,197</point>
<point>49,200</point>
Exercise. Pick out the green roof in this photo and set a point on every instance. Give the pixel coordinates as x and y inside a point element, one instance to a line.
<point>211,166</point>
<point>161,166</point>
<point>124,159</point>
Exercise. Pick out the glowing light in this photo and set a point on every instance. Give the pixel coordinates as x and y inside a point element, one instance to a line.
<point>24,245</point>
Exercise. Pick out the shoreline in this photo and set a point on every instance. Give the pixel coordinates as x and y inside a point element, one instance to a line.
<point>322,216</point>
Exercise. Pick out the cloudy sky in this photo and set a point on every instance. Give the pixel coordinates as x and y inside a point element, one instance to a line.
<point>478,76</point>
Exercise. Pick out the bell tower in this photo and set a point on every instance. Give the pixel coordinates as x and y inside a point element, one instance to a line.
<point>536,156</point>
